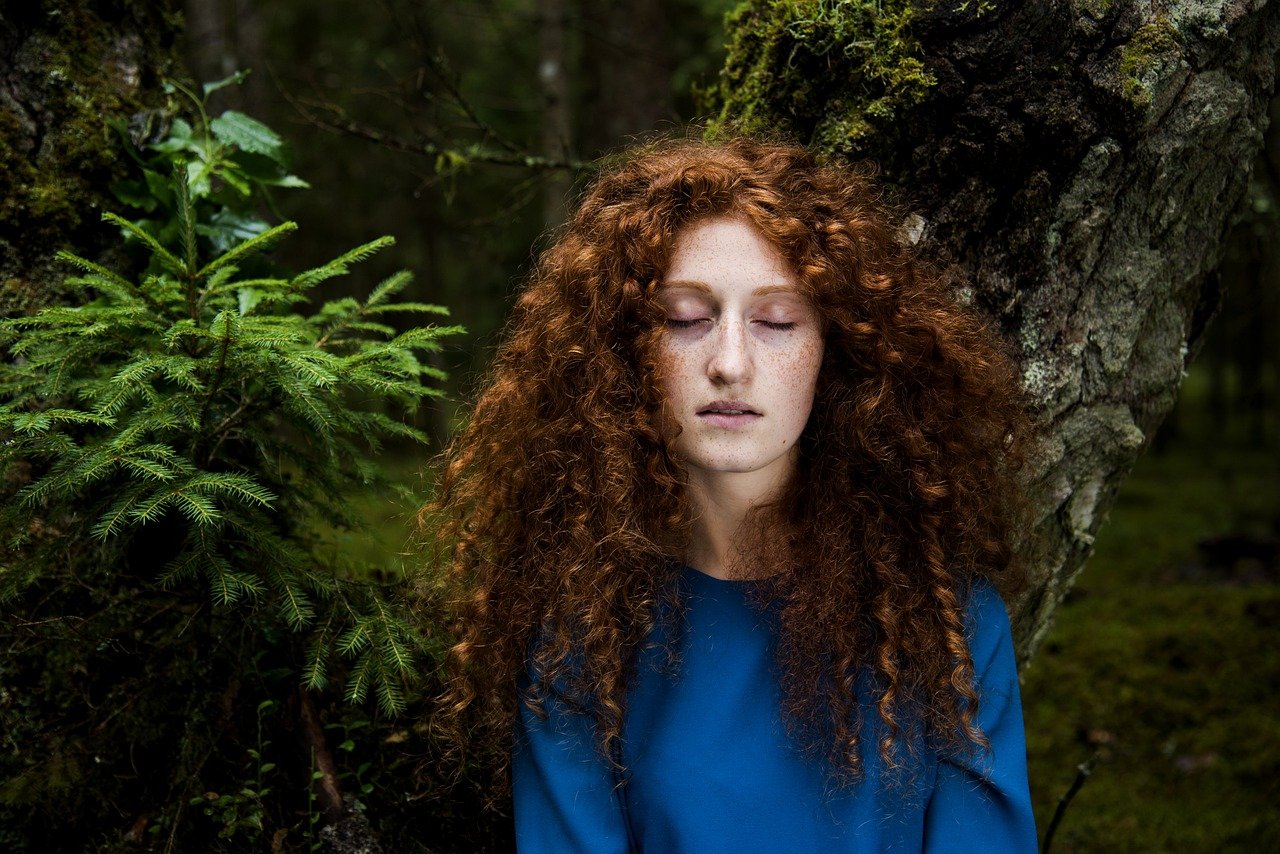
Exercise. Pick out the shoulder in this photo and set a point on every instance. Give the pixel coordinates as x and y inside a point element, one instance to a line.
<point>987,626</point>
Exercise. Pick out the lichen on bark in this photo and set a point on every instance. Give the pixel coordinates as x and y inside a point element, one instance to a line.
<point>1151,45</point>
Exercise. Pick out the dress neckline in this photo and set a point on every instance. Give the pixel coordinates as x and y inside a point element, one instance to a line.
<point>712,580</point>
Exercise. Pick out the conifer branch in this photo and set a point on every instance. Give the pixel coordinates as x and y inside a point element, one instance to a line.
<point>254,244</point>
<point>166,257</point>
<point>216,385</point>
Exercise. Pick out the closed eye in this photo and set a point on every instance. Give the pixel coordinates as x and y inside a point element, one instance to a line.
<point>773,325</point>
<point>685,324</point>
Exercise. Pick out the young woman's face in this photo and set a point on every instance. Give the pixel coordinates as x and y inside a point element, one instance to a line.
<point>740,352</point>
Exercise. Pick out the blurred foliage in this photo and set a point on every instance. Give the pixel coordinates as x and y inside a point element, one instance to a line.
<point>177,446</point>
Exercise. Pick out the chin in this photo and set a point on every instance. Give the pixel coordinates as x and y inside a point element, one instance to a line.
<point>730,466</point>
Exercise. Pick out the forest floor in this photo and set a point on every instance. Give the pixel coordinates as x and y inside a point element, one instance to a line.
<point>1165,658</point>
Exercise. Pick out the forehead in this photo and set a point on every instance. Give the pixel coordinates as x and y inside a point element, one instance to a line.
<point>723,250</point>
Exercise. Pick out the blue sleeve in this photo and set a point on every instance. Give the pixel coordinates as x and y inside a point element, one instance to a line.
<point>562,790</point>
<point>983,803</point>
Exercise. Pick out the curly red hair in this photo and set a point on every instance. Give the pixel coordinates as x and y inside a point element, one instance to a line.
<point>562,513</point>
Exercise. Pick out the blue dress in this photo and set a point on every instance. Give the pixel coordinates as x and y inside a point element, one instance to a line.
<point>711,769</point>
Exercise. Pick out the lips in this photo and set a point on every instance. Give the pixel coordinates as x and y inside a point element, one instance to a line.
<point>727,407</point>
<point>728,415</point>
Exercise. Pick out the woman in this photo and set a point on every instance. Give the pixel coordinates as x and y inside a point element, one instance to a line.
<point>724,524</point>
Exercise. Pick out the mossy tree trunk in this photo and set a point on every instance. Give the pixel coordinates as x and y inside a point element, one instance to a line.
<point>1080,161</point>
<point>65,67</point>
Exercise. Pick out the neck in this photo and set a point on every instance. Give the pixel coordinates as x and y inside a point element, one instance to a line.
<point>721,502</point>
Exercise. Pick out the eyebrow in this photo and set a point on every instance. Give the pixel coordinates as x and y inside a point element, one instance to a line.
<point>763,290</point>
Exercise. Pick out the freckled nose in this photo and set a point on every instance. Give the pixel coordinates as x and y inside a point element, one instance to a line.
<point>730,359</point>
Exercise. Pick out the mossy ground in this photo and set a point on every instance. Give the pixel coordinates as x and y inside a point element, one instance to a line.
<point>1173,673</point>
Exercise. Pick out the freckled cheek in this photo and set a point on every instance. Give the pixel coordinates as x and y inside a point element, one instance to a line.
<point>678,373</point>
<point>796,375</point>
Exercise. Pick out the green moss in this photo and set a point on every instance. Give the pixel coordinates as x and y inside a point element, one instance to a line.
<point>59,158</point>
<point>837,73</point>
<point>1150,46</point>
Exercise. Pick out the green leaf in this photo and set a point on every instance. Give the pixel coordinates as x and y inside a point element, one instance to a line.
<point>186,220</point>
<point>226,228</point>
<point>180,138</point>
<point>358,681</point>
<point>238,130</point>
<point>39,422</point>
<point>265,170</point>
<point>197,179</point>
<point>135,194</point>
<point>428,308</point>
<point>246,299</point>
<point>239,487</point>
<point>353,640</point>
<point>182,568</point>
<point>148,468</point>
<point>390,696</point>
<point>314,675</point>
<point>291,181</point>
<point>388,287</point>
<point>116,518</point>
<point>236,180</point>
<point>97,269</point>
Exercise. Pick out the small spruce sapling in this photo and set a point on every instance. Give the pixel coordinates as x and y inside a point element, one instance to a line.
<point>200,400</point>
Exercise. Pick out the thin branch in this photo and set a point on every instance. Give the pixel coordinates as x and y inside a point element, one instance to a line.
<point>341,123</point>
<point>449,79</point>
<point>439,66</point>
<point>1083,770</point>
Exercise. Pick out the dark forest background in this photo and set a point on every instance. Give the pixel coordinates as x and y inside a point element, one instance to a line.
<point>463,129</point>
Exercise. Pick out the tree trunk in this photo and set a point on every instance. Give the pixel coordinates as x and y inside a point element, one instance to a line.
<point>557,125</point>
<point>64,68</point>
<point>1079,162</point>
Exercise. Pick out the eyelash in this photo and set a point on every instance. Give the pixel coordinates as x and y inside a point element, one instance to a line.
<point>689,324</point>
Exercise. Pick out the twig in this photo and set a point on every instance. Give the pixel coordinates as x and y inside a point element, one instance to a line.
<point>340,123</point>
<point>1083,770</point>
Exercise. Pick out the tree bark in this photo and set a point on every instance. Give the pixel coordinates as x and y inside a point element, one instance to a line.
<point>1079,161</point>
<point>64,68</point>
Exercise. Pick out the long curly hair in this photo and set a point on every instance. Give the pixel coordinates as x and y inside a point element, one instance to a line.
<point>561,513</point>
